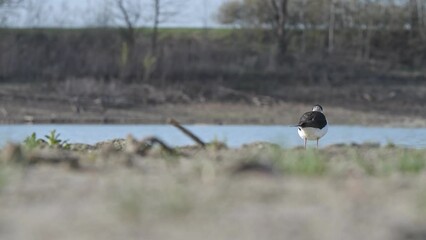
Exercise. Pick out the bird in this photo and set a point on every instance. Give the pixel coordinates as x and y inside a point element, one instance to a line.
<point>312,125</point>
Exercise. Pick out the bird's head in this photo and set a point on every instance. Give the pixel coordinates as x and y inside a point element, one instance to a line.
<point>317,108</point>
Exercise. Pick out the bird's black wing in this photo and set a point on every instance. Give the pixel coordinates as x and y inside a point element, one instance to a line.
<point>312,119</point>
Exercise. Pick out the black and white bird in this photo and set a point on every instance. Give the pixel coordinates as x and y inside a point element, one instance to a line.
<point>312,125</point>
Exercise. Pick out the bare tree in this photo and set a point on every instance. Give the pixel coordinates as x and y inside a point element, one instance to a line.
<point>331,25</point>
<point>417,17</point>
<point>7,8</point>
<point>162,11</point>
<point>66,18</point>
<point>272,14</point>
<point>156,22</point>
<point>280,16</point>
<point>302,20</point>
<point>414,15</point>
<point>10,3</point>
<point>105,14</point>
<point>129,12</point>
<point>103,17</point>
<point>35,12</point>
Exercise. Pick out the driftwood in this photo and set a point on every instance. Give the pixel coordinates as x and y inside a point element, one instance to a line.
<point>142,147</point>
<point>187,132</point>
<point>164,146</point>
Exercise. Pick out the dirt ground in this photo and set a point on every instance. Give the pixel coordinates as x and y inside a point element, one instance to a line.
<point>93,102</point>
<point>255,192</point>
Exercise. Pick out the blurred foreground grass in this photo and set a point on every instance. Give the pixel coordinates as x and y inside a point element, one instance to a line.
<point>259,191</point>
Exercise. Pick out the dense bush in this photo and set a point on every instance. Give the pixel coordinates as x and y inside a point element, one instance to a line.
<point>200,55</point>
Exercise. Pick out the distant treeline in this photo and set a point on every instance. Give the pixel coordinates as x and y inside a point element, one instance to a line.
<point>237,56</point>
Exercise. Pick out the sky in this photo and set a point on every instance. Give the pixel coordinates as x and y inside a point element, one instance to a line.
<point>81,13</point>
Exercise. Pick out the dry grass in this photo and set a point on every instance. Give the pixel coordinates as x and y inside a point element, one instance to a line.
<point>255,192</point>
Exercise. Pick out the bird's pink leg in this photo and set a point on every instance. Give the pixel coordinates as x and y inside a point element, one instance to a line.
<point>305,142</point>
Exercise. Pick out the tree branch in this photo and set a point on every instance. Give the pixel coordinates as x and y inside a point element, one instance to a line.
<point>125,13</point>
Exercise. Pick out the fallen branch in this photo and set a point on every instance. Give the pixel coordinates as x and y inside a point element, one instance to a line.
<point>142,147</point>
<point>187,132</point>
<point>163,145</point>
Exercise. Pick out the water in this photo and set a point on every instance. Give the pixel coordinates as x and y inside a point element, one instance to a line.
<point>233,135</point>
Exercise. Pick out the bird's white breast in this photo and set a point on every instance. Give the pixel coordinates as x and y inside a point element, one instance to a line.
<point>312,133</point>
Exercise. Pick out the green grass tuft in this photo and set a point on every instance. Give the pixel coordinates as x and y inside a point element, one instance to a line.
<point>309,162</point>
<point>32,141</point>
<point>411,162</point>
